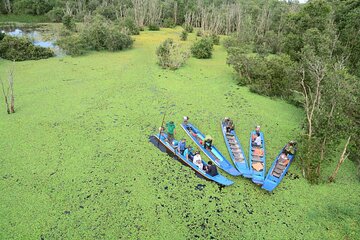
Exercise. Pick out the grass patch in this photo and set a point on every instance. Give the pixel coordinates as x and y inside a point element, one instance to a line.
<point>23,18</point>
<point>76,162</point>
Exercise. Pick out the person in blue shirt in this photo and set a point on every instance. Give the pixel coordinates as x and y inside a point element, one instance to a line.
<point>182,146</point>
<point>163,135</point>
<point>188,154</point>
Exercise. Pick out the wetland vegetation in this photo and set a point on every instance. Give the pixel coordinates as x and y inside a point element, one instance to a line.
<point>75,159</point>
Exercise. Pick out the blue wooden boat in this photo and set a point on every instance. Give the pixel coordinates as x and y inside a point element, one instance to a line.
<point>236,151</point>
<point>169,148</point>
<point>214,154</point>
<point>257,160</point>
<point>277,172</point>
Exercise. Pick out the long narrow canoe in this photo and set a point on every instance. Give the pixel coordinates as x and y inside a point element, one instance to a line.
<point>257,160</point>
<point>236,151</point>
<point>277,172</point>
<point>218,178</point>
<point>214,155</point>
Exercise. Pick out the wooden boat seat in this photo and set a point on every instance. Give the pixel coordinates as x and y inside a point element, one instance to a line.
<point>258,152</point>
<point>234,147</point>
<point>280,167</point>
<point>229,135</point>
<point>284,162</point>
<point>239,159</point>
<point>256,157</point>
<point>276,174</point>
<point>258,166</point>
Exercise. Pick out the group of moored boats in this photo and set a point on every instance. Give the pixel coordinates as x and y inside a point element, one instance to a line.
<point>255,169</point>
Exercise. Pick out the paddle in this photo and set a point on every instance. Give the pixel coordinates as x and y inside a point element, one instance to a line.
<point>162,123</point>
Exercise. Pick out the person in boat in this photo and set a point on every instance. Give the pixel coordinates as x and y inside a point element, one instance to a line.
<point>198,161</point>
<point>290,147</point>
<point>229,124</point>
<point>257,141</point>
<point>257,130</point>
<point>211,169</point>
<point>208,142</point>
<point>186,119</point>
<point>182,146</point>
<point>170,126</point>
<point>188,154</point>
<point>163,135</point>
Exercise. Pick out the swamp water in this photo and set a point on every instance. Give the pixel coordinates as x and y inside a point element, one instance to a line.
<point>38,37</point>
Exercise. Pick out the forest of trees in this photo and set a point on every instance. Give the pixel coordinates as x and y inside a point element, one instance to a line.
<point>307,54</point>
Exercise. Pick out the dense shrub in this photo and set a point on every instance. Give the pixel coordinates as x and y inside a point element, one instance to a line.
<point>95,32</point>
<point>183,35</point>
<point>170,55</point>
<point>215,38</point>
<point>34,7</point>
<point>230,42</point>
<point>100,34</point>
<point>68,22</point>
<point>116,40</point>
<point>21,49</point>
<point>199,33</point>
<point>154,27</point>
<point>202,48</point>
<point>55,15</point>
<point>129,26</point>
<point>188,28</point>
<point>109,12</point>
<point>273,75</point>
<point>169,23</point>
<point>73,45</point>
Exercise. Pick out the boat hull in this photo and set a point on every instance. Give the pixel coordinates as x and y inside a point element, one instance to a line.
<point>236,151</point>
<point>257,176</point>
<point>273,179</point>
<point>214,154</point>
<point>170,149</point>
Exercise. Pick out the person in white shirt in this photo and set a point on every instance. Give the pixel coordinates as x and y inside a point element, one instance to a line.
<point>197,160</point>
<point>257,141</point>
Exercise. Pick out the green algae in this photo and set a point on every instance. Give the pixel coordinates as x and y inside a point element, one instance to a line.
<point>76,162</point>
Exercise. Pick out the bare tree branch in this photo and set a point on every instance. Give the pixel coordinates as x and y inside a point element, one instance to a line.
<point>341,160</point>
<point>5,97</point>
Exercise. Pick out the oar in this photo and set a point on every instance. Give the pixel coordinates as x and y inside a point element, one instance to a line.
<point>162,123</point>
